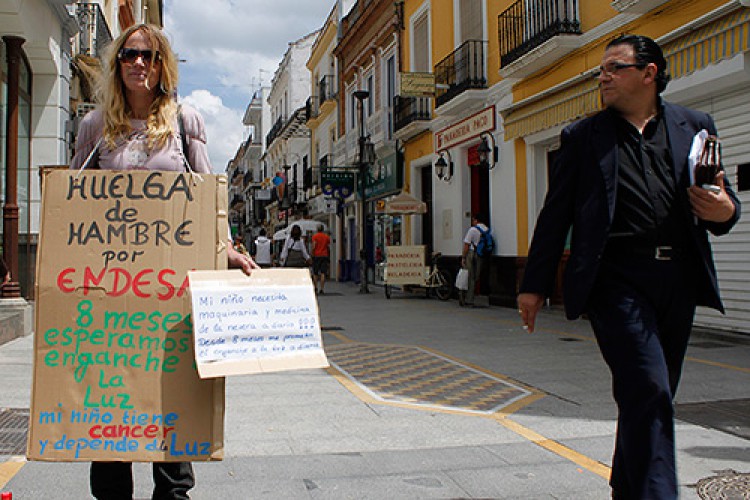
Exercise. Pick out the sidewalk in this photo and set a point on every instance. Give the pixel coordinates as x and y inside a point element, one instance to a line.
<point>316,435</point>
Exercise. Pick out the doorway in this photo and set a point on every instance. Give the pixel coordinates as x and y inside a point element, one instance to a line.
<point>425,182</point>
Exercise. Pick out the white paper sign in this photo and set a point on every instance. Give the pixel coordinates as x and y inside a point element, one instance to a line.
<point>265,322</point>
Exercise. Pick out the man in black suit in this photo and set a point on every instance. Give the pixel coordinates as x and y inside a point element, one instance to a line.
<point>640,259</point>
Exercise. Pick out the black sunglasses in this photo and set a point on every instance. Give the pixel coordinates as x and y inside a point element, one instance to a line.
<point>612,68</point>
<point>130,55</point>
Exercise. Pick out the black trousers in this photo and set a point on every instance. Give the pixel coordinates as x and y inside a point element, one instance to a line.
<point>641,311</point>
<point>114,480</point>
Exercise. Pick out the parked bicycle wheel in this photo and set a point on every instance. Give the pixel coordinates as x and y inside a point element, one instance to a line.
<point>443,290</point>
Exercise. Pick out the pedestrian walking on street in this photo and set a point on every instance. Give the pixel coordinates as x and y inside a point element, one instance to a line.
<point>294,253</point>
<point>640,259</point>
<point>321,255</point>
<point>263,251</point>
<point>474,253</point>
<point>137,127</point>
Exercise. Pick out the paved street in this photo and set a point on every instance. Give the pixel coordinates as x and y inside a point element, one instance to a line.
<point>428,400</point>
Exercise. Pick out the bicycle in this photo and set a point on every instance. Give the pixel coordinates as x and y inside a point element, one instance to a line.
<point>437,281</point>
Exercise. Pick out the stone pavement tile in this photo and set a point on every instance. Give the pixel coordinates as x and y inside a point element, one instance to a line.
<point>392,487</point>
<point>433,459</point>
<point>595,447</point>
<point>33,481</point>
<point>524,453</point>
<point>297,467</point>
<point>550,480</point>
<point>701,452</point>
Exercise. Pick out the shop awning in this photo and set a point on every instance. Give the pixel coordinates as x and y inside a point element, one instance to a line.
<point>405,204</point>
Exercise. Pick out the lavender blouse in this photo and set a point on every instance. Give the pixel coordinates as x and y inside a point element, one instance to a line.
<point>132,152</point>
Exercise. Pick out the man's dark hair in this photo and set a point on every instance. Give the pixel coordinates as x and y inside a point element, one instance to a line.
<point>262,232</point>
<point>646,52</point>
<point>480,217</point>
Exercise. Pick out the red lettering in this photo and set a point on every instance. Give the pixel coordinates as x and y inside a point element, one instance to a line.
<point>95,433</point>
<point>162,279</point>
<point>139,281</point>
<point>151,431</point>
<point>118,281</point>
<point>63,281</point>
<point>183,288</point>
<point>89,279</point>
<point>123,287</point>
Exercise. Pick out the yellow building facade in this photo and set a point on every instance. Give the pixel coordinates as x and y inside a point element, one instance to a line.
<point>532,65</point>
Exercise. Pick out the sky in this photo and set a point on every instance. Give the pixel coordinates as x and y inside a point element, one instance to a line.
<point>229,47</point>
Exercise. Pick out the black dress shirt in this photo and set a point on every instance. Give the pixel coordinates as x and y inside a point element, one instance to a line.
<point>647,207</point>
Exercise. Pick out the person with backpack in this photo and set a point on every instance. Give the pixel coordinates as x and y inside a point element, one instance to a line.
<point>478,245</point>
<point>263,255</point>
<point>295,252</point>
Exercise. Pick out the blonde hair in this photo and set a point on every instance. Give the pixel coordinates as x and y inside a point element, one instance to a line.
<point>111,91</point>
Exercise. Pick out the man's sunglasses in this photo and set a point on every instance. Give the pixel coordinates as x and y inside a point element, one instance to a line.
<point>131,55</point>
<point>614,67</point>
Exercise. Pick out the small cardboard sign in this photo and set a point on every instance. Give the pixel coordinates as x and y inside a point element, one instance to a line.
<point>405,265</point>
<point>264,322</point>
<point>114,373</point>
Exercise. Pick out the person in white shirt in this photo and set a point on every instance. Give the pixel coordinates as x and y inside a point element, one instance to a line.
<point>469,258</point>
<point>263,254</point>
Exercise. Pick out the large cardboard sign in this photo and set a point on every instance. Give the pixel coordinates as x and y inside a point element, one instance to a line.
<point>405,265</point>
<point>265,322</point>
<point>114,369</point>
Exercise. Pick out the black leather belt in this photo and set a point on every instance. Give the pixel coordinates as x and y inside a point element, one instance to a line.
<point>656,252</point>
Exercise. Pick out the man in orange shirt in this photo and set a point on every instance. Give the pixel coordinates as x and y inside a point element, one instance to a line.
<point>321,256</point>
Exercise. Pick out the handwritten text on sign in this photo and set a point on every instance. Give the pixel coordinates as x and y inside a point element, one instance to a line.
<point>266,322</point>
<point>114,377</point>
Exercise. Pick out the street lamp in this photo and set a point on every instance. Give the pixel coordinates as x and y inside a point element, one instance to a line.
<point>366,156</point>
<point>443,169</point>
<point>484,151</point>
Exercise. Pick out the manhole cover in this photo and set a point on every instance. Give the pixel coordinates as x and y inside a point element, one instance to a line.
<point>727,485</point>
<point>14,425</point>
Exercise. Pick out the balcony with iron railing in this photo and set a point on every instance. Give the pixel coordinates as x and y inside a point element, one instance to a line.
<point>327,89</point>
<point>275,130</point>
<point>312,109</point>
<point>463,69</point>
<point>94,34</point>
<point>411,112</point>
<point>527,24</point>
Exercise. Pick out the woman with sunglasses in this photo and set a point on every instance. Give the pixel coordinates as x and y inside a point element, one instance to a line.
<point>137,127</point>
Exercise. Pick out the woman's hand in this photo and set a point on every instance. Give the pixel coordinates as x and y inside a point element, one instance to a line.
<point>240,261</point>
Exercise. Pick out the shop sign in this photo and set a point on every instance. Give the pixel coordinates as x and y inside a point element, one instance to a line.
<point>465,130</point>
<point>405,264</point>
<point>382,177</point>
<point>262,194</point>
<point>417,84</point>
<point>336,182</point>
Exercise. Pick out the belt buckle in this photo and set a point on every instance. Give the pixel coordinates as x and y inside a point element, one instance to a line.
<point>663,253</point>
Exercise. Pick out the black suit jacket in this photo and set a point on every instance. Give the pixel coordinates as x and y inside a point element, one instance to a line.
<point>582,192</point>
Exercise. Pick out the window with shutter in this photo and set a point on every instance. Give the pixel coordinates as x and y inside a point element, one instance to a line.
<point>471,20</point>
<point>421,44</point>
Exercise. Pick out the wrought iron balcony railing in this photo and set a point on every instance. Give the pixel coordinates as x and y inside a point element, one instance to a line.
<point>280,121</point>
<point>527,24</point>
<point>312,109</point>
<point>411,109</point>
<point>463,69</point>
<point>327,89</point>
<point>94,35</point>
